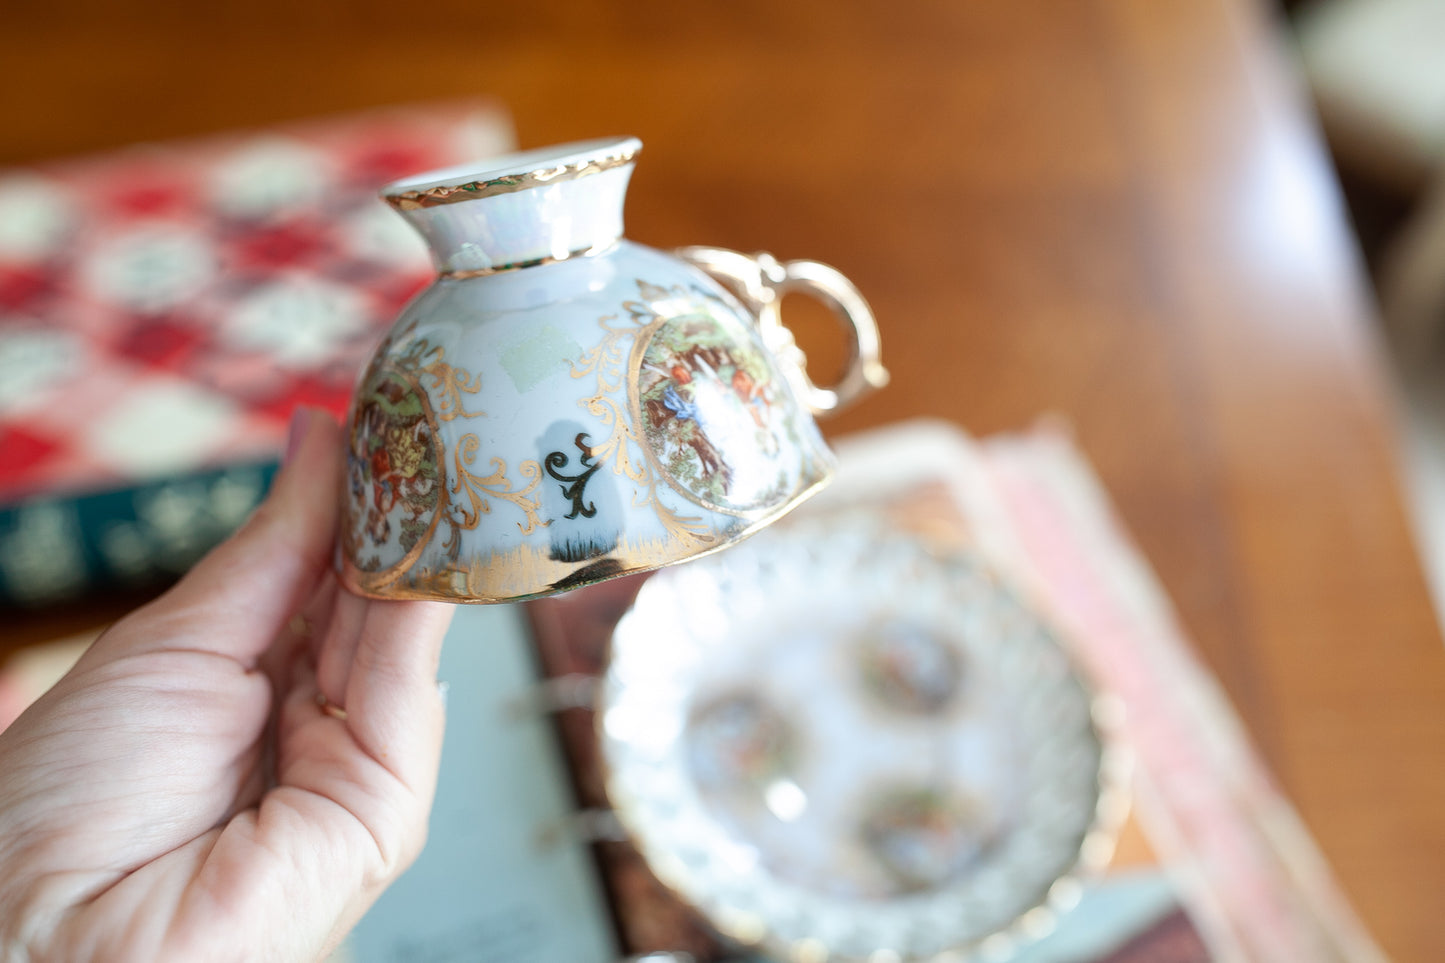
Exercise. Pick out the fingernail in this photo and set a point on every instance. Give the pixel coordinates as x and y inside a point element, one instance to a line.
<point>442,689</point>
<point>300,418</point>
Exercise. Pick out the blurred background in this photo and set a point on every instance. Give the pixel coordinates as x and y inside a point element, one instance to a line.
<point>1208,236</point>
<point>1376,73</point>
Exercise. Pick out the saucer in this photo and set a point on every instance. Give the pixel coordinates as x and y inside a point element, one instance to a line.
<point>838,745</point>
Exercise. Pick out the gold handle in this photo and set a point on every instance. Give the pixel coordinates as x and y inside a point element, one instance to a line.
<point>760,280</point>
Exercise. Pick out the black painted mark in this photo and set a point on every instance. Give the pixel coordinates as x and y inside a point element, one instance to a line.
<point>578,483</point>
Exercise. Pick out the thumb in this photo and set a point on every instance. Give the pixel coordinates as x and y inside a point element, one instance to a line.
<point>256,580</point>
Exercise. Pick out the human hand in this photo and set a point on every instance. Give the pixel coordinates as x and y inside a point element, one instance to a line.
<point>190,790</point>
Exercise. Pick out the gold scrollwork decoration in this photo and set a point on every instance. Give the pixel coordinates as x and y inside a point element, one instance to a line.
<point>609,362</point>
<point>686,529</point>
<point>479,489</point>
<point>449,382</point>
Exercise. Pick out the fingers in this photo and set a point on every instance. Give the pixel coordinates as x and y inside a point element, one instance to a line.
<point>376,753</point>
<point>393,707</point>
<point>313,623</point>
<point>338,648</point>
<point>237,598</point>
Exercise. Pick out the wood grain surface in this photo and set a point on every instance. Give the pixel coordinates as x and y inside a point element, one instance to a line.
<point>1114,210</point>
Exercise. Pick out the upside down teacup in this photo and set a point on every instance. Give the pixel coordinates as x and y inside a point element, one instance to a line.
<point>562,406</point>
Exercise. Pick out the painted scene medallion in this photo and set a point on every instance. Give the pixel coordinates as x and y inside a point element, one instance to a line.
<point>393,474</point>
<point>715,414</point>
<point>909,668</point>
<point>924,837</point>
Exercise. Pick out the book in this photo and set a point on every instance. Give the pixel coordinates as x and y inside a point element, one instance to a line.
<point>165,307</point>
<point>1227,866</point>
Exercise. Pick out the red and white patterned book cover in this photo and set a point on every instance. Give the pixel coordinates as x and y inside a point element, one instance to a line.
<point>163,308</point>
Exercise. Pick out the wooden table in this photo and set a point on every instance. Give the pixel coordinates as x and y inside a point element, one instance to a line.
<point>1114,209</point>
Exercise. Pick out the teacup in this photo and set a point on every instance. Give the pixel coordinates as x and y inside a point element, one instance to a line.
<point>563,406</point>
